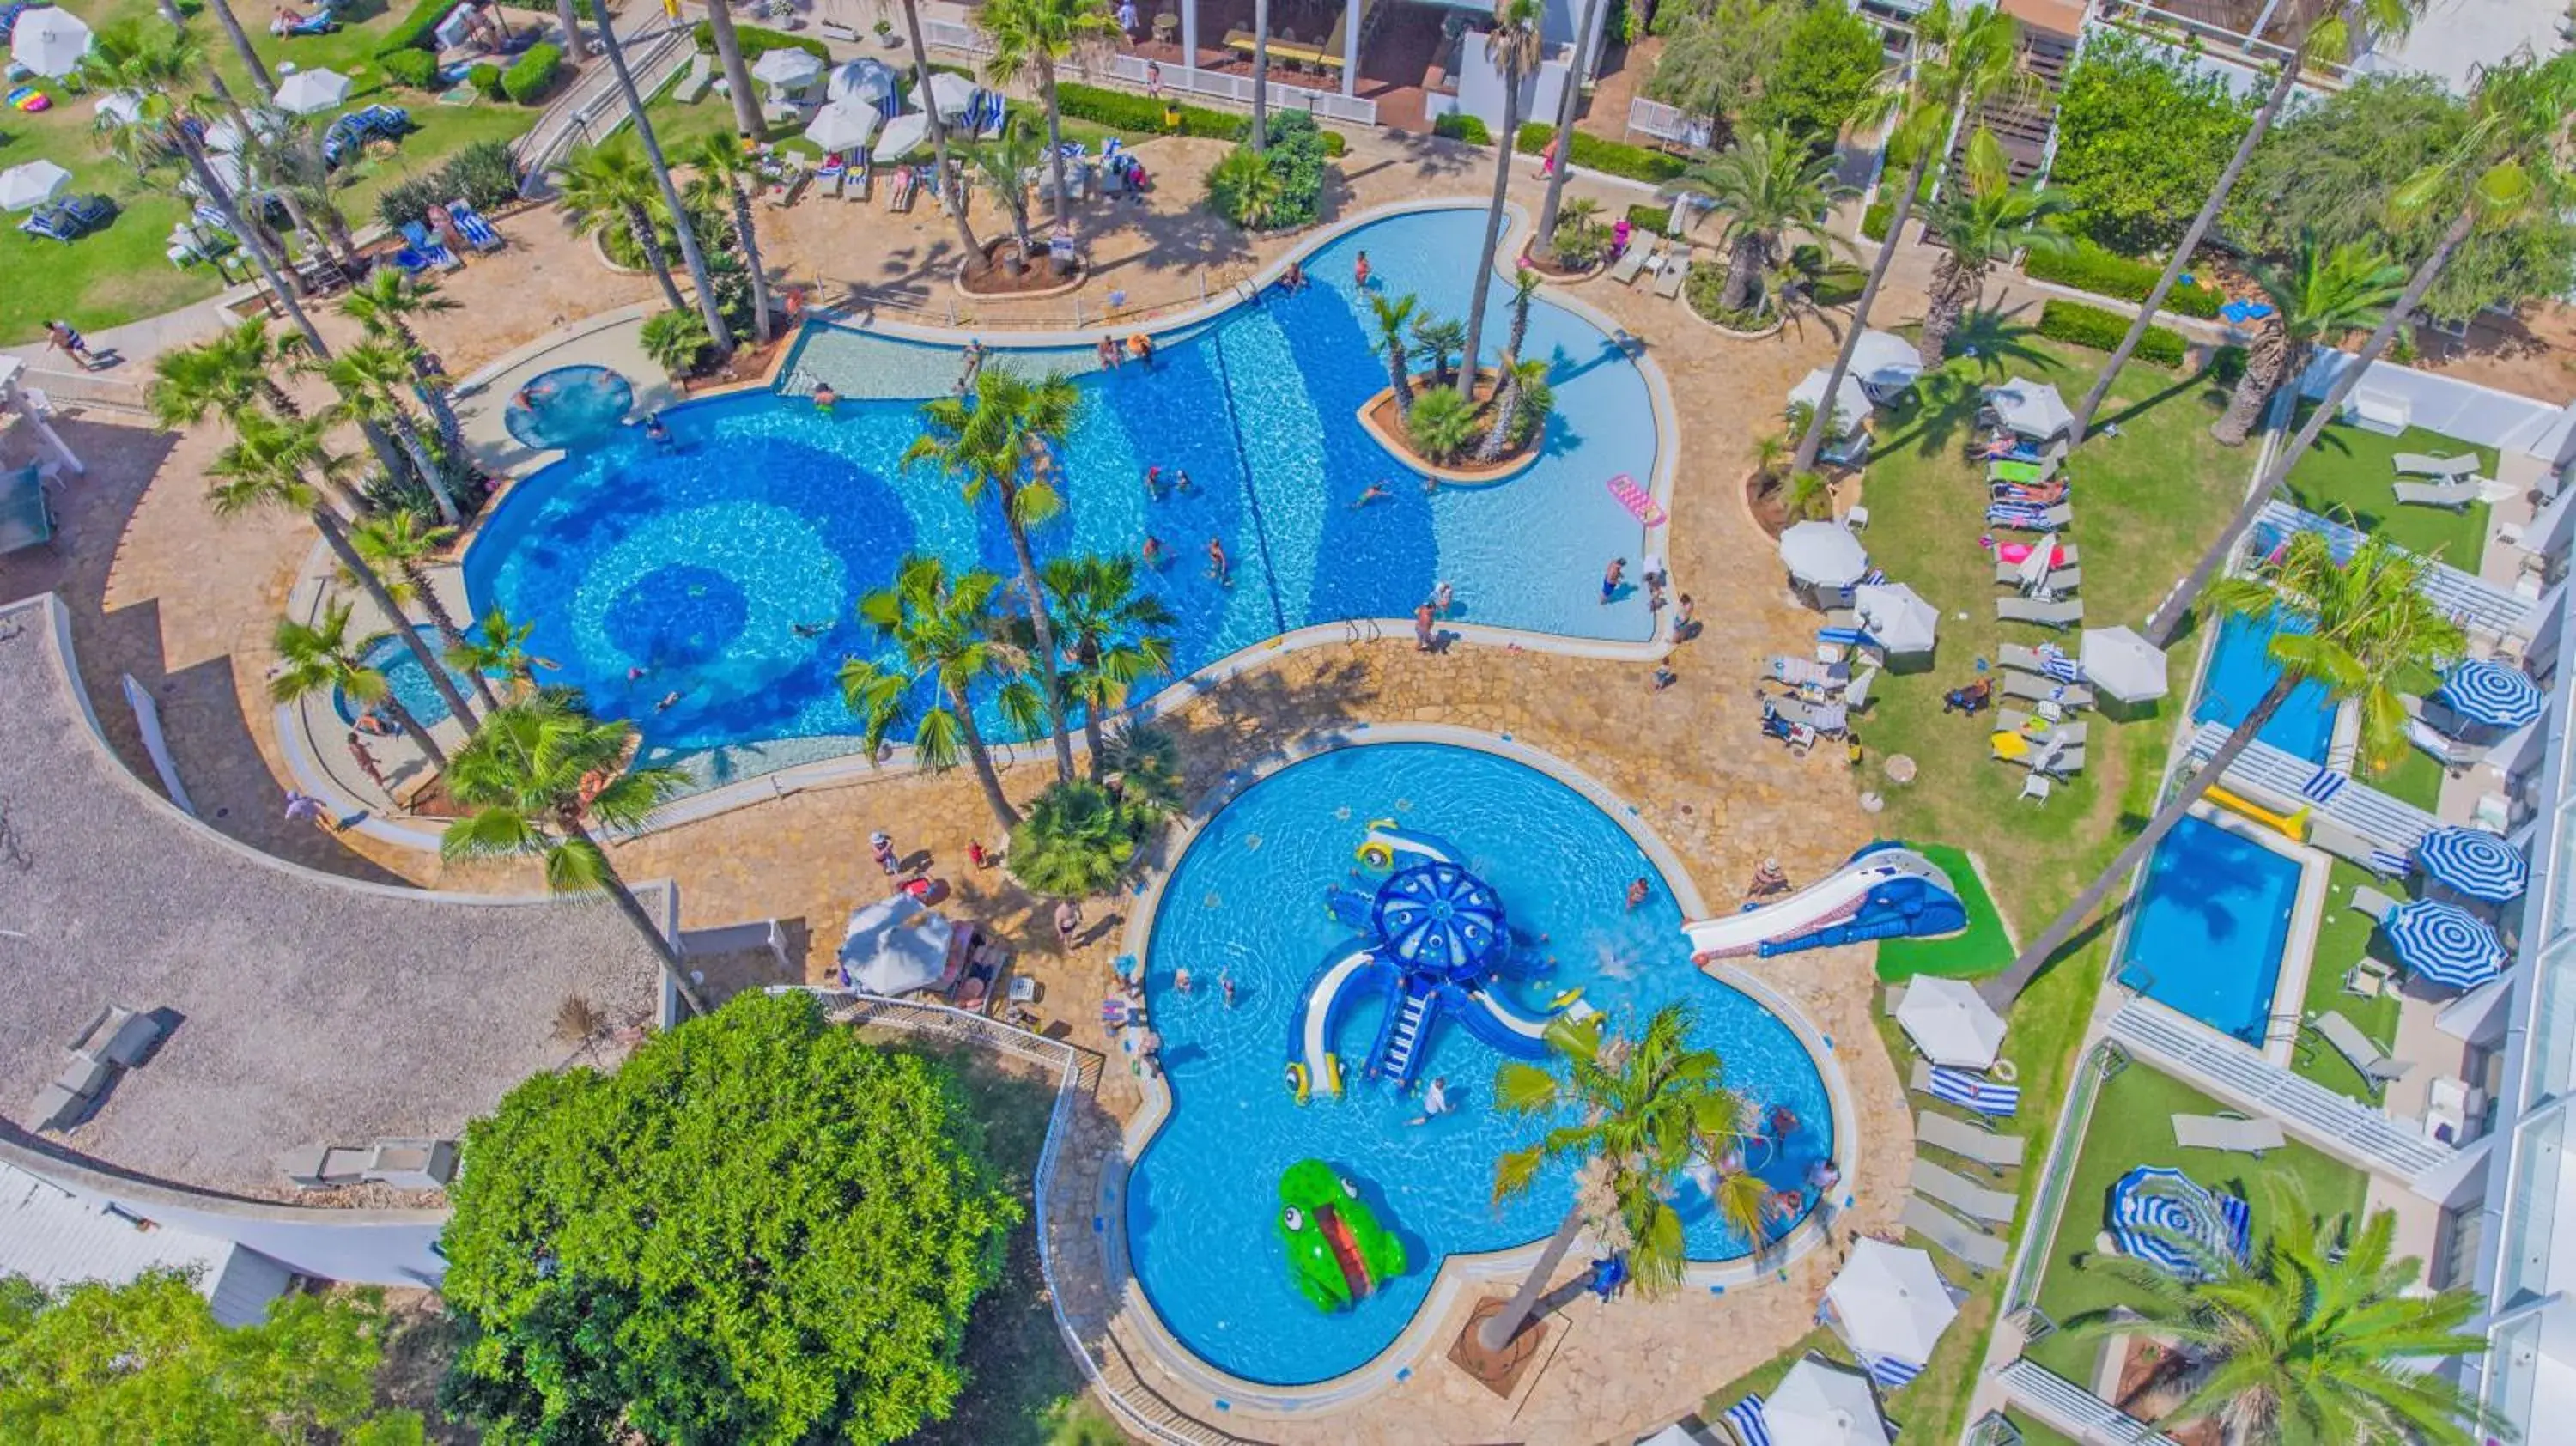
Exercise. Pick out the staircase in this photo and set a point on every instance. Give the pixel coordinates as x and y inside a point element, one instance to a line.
<point>1404,1038</point>
<point>2023,123</point>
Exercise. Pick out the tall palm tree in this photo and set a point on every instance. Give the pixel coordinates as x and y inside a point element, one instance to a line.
<point>1960,61</point>
<point>317,658</point>
<point>693,255</point>
<point>1031,39</point>
<point>1640,1106</point>
<point>2508,164</point>
<point>746,101</point>
<point>1259,135</point>
<point>1005,163</point>
<point>725,169</point>
<point>2318,295</point>
<point>942,630</point>
<point>284,153</point>
<point>538,776</point>
<point>1513,45</point>
<point>939,130</point>
<point>1772,188</point>
<point>1393,313</point>
<point>1000,441</point>
<point>2329,37</point>
<point>498,645</point>
<point>2321,1337</point>
<point>400,550</point>
<point>385,305</point>
<point>242,47</point>
<point>1518,379</point>
<point>2370,632</point>
<point>568,19</point>
<point>1525,285</point>
<point>1569,100</point>
<point>229,374</point>
<point>602,185</point>
<point>371,378</point>
<point>1114,637</point>
<point>1982,221</point>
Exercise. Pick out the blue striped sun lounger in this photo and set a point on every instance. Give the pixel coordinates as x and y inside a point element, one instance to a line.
<point>1890,1372</point>
<point>2323,785</point>
<point>1968,1091</point>
<point>478,233</point>
<point>1744,1418</point>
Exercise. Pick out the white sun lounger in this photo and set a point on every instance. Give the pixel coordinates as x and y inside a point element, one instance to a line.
<point>2054,518</point>
<point>1668,282</point>
<point>2013,720</point>
<point>2061,579</point>
<point>2429,494</point>
<point>1995,1207</point>
<point>1986,1147</point>
<point>2357,1050</point>
<point>2041,689</point>
<point>2371,904</point>
<point>2227,1132</point>
<point>1950,1233</point>
<point>1654,262</point>
<point>2059,759</point>
<point>1630,262</point>
<point>2420,464</point>
<point>2063,613</point>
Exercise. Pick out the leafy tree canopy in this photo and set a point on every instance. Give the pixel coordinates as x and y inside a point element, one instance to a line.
<point>1829,63</point>
<point>2140,142</point>
<point>147,1361</point>
<point>758,1229</point>
<point>1716,53</point>
<point>2332,166</point>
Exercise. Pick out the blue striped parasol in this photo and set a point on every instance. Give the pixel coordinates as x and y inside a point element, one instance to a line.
<point>2493,694</point>
<point>2475,862</point>
<point>2443,943</point>
<point>2171,1221</point>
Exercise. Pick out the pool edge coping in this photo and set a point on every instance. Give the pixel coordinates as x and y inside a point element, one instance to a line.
<point>2298,940</point>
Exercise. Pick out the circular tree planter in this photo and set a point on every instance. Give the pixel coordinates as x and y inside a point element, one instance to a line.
<point>1766,501</point>
<point>1039,283</point>
<point>1378,416</point>
<point>599,248</point>
<point>1559,274</point>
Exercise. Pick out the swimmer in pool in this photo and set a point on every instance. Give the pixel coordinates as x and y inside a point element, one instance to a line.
<point>824,397</point>
<point>1218,566</point>
<point>668,701</point>
<point>810,630</point>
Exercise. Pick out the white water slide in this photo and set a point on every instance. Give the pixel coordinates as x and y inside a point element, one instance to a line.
<point>1831,899</point>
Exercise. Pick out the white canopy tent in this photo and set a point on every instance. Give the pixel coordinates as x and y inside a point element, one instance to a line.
<point>1823,554</point>
<point>310,92</point>
<point>895,946</point>
<point>1885,363</point>
<point>1898,617</point>
<point>24,187</point>
<point>1891,1301</point>
<point>1950,1022</point>
<point>1820,1405</point>
<point>903,135</point>
<point>843,125</point>
<point>1851,402</point>
<point>2030,409</point>
<point>2123,664</point>
<point>786,68</point>
<point>51,42</point>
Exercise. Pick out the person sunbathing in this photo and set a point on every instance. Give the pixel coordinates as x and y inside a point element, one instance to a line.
<point>1968,700</point>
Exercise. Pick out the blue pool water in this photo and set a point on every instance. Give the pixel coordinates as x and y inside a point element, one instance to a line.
<point>728,568</point>
<point>406,678</point>
<point>2241,671</point>
<point>574,406</point>
<point>1245,899</point>
<point>2211,926</point>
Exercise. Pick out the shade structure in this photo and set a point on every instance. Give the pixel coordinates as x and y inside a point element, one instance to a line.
<point>2030,409</point>
<point>1901,621</point>
<point>1441,918</point>
<point>895,946</point>
<point>2493,694</point>
<point>1891,1301</point>
<point>2443,943</point>
<point>1851,403</point>
<point>31,184</point>
<point>787,68</point>
<point>951,93</point>
<point>868,80</point>
<point>308,92</point>
<point>2475,862</point>
<point>903,135</point>
<point>1823,554</point>
<point>49,42</point>
<point>843,125</point>
<point>1822,1405</point>
<point>117,107</point>
<point>2119,662</point>
<point>1885,362</point>
<point>2171,1221</point>
<point>1951,1023</point>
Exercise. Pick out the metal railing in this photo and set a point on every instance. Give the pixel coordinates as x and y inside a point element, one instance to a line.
<point>1185,80</point>
<point>2162,24</point>
<point>576,119</point>
<point>2048,1202</point>
<point>1667,123</point>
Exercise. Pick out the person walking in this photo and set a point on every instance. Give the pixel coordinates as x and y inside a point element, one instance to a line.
<point>366,761</point>
<point>1068,923</point>
<point>881,847</point>
<point>1423,633</point>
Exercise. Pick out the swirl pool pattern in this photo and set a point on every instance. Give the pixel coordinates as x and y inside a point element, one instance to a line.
<point>726,569</point>
<point>1246,901</point>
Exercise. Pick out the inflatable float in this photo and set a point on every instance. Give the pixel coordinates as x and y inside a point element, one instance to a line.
<point>2291,826</point>
<point>1634,498</point>
<point>1885,891</point>
<point>1337,1250</point>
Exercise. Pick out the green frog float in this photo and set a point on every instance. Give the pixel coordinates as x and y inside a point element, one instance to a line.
<point>1337,1250</point>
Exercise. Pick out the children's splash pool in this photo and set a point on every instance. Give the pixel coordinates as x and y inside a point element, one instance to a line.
<point>574,406</point>
<point>1245,902</point>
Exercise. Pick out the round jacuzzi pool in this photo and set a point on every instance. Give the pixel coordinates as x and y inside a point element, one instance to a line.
<point>573,406</point>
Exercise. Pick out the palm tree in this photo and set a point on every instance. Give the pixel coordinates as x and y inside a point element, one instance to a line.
<point>1001,441</point>
<point>1521,381</point>
<point>1525,285</point>
<point>1257,190</point>
<point>1259,134</point>
<point>1078,840</point>
<point>1771,187</point>
<point>2329,37</point>
<point>240,39</point>
<point>1960,61</point>
<point>1513,46</point>
<point>604,184</point>
<point>939,130</point>
<point>1442,423</point>
<point>1143,763</point>
<point>1114,637</point>
<point>1569,100</point>
<point>287,149</point>
<point>746,101</point>
<point>228,375</point>
<point>317,658</point>
<point>2320,294</point>
<point>727,171</point>
<point>2321,1337</point>
<point>1442,337</point>
<point>538,776</point>
<point>675,340</point>
<point>2370,632</point>
<point>498,645</point>
<point>943,630</point>
<point>1392,315</point>
<point>690,252</point>
<point>2507,164</point>
<point>1640,1105</point>
<point>1982,221</point>
<point>371,378</point>
<point>385,305</point>
<point>400,549</point>
<point>1033,37</point>
<point>1005,163</point>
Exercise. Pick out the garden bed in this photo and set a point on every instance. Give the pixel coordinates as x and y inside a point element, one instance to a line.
<point>994,277</point>
<point>1378,415</point>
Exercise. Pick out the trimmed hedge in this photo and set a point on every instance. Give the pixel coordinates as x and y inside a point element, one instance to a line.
<point>1121,110</point>
<point>1873,222</point>
<point>485,77</point>
<point>755,42</point>
<point>1457,125</point>
<point>2075,323</point>
<point>417,31</point>
<point>2087,267</point>
<point>533,74</point>
<point>1593,153</point>
<point>417,69</point>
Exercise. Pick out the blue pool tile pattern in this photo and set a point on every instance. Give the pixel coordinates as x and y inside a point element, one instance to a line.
<point>2210,927</point>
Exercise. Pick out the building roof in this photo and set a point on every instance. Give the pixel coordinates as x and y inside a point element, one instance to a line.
<point>305,1008</point>
<point>55,1238</point>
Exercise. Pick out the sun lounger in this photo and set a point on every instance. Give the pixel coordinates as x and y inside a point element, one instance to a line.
<point>2047,660</point>
<point>2013,720</point>
<point>26,513</point>
<point>1964,1088</point>
<point>478,233</point>
<point>1745,1424</point>
<point>2055,757</point>
<point>901,188</point>
<point>859,179</point>
<point>2427,494</point>
<point>2026,517</point>
<point>1993,1207</point>
<point>2347,1039</point>
<point>2370,903</point>
<point>1807,672</point>
<point>1825,718</point>
<point>2036,689</point>
<point>1630,262</point>
<point>2226,1132</point>
<point>2062,613</point>
<point>1967,1141</point>
<point>2058,580</point>
<point>2453,469</point>
<point>1653,264</point>
<point>1948,1232</point>
<point>1668,282</point>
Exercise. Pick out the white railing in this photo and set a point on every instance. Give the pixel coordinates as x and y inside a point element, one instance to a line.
<point>1666,123</point>
<point>577,118</point>
<point>1177,79</point>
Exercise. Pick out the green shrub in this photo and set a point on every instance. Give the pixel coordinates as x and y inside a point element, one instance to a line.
<point>755,42</point>
<point>1614,157</point>
<point>485,77</point>
<point>2088,267</point>
<point>485,173</point>
<point>1121,110</point>
<point>417,30</point>
<point>1281,188</point>
<point>415,68</point>
<point>1873,222</point>
<point>533,74</point>
<point>1460,126</point>
<point>2075,323</point>
<point>1658,219</point>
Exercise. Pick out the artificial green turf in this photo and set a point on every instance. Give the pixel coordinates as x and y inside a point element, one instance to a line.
<point>1978,950</point>
<point>2344,936</point>
<point>2348,474</point>
<point>2414,779</point>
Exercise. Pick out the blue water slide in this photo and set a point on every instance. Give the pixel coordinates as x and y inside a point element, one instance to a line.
<point>1898,908</point>
<point>1503,1025</point>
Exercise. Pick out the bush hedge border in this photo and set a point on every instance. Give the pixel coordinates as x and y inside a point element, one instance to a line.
<point>2100,329</point>
<point>2086,266</point>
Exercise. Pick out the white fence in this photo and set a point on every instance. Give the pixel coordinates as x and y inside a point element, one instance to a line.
<point>1178,80</point>
<point>2472,413</point>
<point>1664,123</point>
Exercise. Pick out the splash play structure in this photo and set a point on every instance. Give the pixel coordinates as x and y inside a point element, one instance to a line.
<point>1337,1250</point>
<point>1886,891</point>
<point>1435,941</point>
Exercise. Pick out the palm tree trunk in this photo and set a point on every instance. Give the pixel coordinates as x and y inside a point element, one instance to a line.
<point>1743,265</point>
<point>980,758</point>
<point>639,224</point>
<point>1055,133</point>
<point>1502,1325</point>
<point>2004,988</point>
<point>749,240</point>
<point>2282,86</point>
<point>688,234</point>
<point>250,60</point>
<point>230,209</point>
<point>939,130</point>
<point>1566,105</point>
<point>440,619</point>
<point>568,16</point>
<point>1506,401</point>
<point>430,472</point>
<point>335,533</point>
<point>416,731</point>
<point>2265,367</point>
<point>442,414</point>
<point>1399,377</point>
<point>2169,613</point>
<point>613,884</point>
<point>746,102</point>
<point>1956,289</point>
<point>1484,279</point>
<point>1814,440</point>
<point>1049,677</point>
<point>1260,76</point>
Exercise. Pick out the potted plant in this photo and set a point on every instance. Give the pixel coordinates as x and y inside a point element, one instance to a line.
<point>885,33</point>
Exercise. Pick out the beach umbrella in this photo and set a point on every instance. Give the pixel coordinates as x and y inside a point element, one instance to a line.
<point>903,135</point>
<point>49,42</point>
<point>2030,409</point>
<point>2122,664</point>
<point>117,108</point>
<point>1900,621</point>
<point>2493,694</point>
<point>1885,362</point>
<point>951,94</point>
<point>895,946</point>
<point>309,91</point>
<point>1824,554</point>
<point>1819,1404</point>
<point>2155,1209</point>
<point>2443,943</point>
<point>1891,1301</point>
<point>32,184</point>
<point>2475,862</point>
<point>843,125</point>
<point>786,68</point>
<point>1851,404</point>
<point>1951,1023</point>
<point>865,79</point>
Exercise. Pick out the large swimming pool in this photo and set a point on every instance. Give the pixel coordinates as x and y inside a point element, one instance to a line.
<point>1246,899</point>
<point>2241,671</point>
<point>725,570</point>
<point>2211,926</point>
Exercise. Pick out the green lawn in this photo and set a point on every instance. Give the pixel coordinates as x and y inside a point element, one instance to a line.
<point>2414,779</point>
<point>2349,471</point>
<point>2344,937</point>
<point>1980,949</point>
